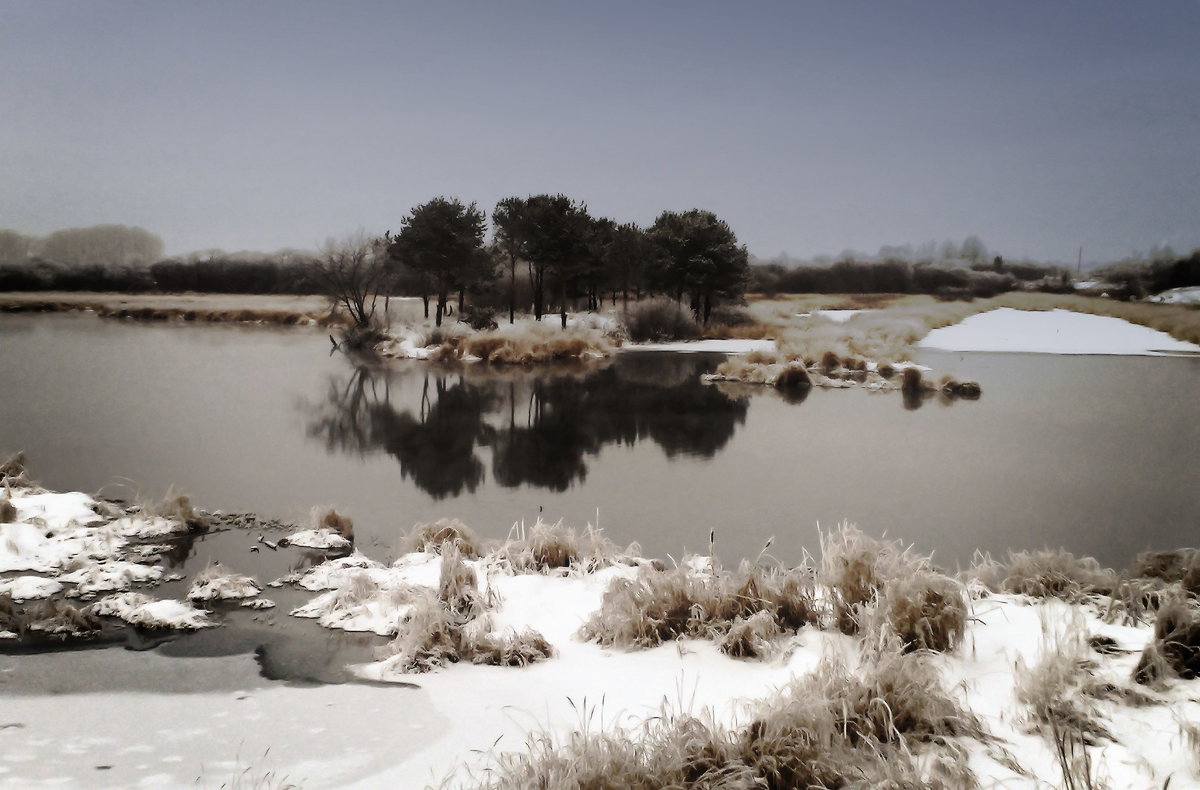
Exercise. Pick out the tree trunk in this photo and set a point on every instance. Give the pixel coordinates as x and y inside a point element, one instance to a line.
<point>425,299</point>
<point>707,307</point>
<point>441,309</point>
<point>562,301</point>
<point>512,290</point>
<point>462,296</point>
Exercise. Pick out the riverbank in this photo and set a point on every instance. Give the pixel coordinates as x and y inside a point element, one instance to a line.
<point>556,654</point>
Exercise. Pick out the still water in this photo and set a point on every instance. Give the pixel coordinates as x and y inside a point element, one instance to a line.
<point>1097,454</point>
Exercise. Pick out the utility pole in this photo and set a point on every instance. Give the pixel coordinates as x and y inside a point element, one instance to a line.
<point>1079,263</point>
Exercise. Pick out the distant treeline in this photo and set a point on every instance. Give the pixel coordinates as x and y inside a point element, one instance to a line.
<point>946,279</point>
<point>1134,279</point>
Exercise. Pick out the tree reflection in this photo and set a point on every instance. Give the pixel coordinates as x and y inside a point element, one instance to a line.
<point>538,425</point>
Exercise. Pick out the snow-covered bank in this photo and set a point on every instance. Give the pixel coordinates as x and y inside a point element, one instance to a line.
<point>1053,332</point>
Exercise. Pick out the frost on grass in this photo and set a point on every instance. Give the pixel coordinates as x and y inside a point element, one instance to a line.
<point>1174,650</point>
<point>452,623</point>
<point>743,610</point>
<point>216,582</point>
<point>1044,574</point>
<point>552,548</point>
<point>93,577</point>
<point>429,537</point>
<point>359,600</point>
<point>141,610</point>
<point>59,618</point>
<point>885,588</point>
<point>891,724</point>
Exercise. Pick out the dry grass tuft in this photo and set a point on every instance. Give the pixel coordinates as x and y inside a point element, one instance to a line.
<point>656,606</point>
<point>1175,649</point>
<point>453,625</point>
<point>328,518</point>
<point>910,380</point>
<point>1057,690</point>
<point>1181,565</point>
<point>793,377</point>
<point>430,537</point>
<point>216,582</point>
<point>926,610</point>
<point>175,506</point>
<point>830,729</point>
<point>1045,574</point>
<point>13,468</point>
<point>545,548</point>
<point>60,618</point>
<point>511,649</point>
<point>8,511</point>
<point>10,620</point>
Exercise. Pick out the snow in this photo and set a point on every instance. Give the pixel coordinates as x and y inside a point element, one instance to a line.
<point>142,610</point>
<point>837,316</point>
<point>29,588</point>
<point>219,584</point>
<point>111,575</point>
<point>1053,332</point>
<point>733,346</point>
<point>1186,295</point>
<point>323,538</point>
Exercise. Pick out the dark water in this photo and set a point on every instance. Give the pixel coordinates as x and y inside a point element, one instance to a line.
<point>1097,454</point>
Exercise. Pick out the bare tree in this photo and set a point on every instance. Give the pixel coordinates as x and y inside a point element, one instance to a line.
<point>351,269</point>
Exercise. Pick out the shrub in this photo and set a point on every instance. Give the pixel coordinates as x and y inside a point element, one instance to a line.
<point>910,380</point>
<point>660,319</point>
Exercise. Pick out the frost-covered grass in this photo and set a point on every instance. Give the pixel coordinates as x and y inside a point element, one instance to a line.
<point>524,342</point>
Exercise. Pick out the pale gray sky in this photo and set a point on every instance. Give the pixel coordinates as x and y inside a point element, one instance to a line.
<point>810,127</point>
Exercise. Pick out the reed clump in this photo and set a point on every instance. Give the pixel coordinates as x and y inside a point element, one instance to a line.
<point>742,611</point>
<point>1174,651</point>
<point>555,548</point>
<point>330,519</point>
<point>830,729</point>
<point>1045,574</point>
<point>176,506</point>
<point>453,624</point>
<point>429,537</point>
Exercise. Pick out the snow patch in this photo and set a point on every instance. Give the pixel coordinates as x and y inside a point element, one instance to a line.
<point>323,538</point>
<point>1053,332</point>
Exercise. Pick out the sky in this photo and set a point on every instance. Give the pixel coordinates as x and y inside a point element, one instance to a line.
<point>810,127</point>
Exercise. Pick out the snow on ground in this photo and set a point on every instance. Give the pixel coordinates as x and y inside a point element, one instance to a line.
<point>836,316</point>
<point>1187,295</point>
<point>734,346</point>
<point>323,538</point>
<point>1053,332</point>
<point>170,722</point>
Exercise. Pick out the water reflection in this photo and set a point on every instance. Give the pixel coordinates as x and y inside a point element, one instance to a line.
<point>538,426</point>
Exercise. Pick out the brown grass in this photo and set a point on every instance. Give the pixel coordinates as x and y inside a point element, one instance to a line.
<point>1045,574</point>
<point>328,518</point>
<point>554,547</point>
<point>58,617</point>
<point>430,537</point>
<point>1181,565</point>
<point>742,611</point>
<point>1174,650</point>
<point>175,506</point>
<point>830,729</point>
<point>453,625</point>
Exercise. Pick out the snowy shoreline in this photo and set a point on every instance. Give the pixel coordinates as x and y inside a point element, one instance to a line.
<point>1051,611</point>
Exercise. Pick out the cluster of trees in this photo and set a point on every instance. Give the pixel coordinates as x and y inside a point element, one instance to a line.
<point>101,256</point>
<point>563,256</point>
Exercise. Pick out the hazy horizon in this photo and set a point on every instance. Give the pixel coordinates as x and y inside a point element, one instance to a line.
<point>811,129</point>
